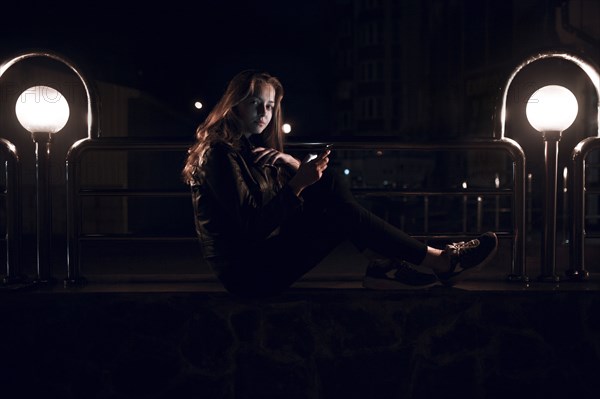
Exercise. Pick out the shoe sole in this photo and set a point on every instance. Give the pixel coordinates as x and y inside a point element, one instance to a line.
<point>465,273</point>
<point>383,284</point>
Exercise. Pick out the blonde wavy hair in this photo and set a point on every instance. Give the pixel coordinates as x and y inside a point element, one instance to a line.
<point>223,123</point>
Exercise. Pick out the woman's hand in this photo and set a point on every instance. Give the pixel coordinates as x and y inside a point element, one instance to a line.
<point>270,156</point>
<point>309,172</point>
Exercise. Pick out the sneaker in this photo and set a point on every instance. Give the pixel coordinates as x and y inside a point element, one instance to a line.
<point>387,274</point>
<point>468,257</point>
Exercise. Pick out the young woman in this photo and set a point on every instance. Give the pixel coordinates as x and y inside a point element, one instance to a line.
<point>265,218</point>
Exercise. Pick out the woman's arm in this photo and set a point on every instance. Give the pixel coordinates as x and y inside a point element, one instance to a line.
<point>238,207</point>
<point>306,173</point>
<point>270,156</point>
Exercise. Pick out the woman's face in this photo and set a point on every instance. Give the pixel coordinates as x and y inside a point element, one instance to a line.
<point>256,110</point>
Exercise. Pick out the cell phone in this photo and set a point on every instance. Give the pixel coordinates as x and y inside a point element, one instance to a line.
<point>313,156</point>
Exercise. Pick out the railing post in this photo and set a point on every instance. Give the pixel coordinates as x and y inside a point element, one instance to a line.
<point>576,270</point>
<point>518,266</point>
<point>74,277</point>
<point>13,214</point>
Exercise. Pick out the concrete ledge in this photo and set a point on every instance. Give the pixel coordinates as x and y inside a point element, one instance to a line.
<point>307,343</point>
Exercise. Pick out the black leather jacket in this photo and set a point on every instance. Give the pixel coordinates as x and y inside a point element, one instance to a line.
<point>237,203</point>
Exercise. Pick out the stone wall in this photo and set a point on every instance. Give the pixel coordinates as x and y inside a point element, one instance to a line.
<point>441,343</point>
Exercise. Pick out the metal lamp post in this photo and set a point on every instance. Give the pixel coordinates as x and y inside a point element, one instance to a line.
<point>550,110</point>
<point>42,111</point>
<point>93,132</point>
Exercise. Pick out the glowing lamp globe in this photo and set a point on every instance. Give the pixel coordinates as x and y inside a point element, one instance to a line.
<point>42,109</point>
<point>551,109</point>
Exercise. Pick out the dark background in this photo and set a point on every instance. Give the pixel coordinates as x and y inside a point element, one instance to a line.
<point>451,56</point>
<point>183,51</point>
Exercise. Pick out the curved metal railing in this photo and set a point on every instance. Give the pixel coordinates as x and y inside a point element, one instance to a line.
<point>75,191</point>
<point>12,194</point>
<point>577,191</point>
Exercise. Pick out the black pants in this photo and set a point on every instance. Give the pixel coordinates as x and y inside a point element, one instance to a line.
<point>330,215</point>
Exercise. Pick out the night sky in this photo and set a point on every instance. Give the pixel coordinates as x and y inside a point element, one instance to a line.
<point>182,51</point>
